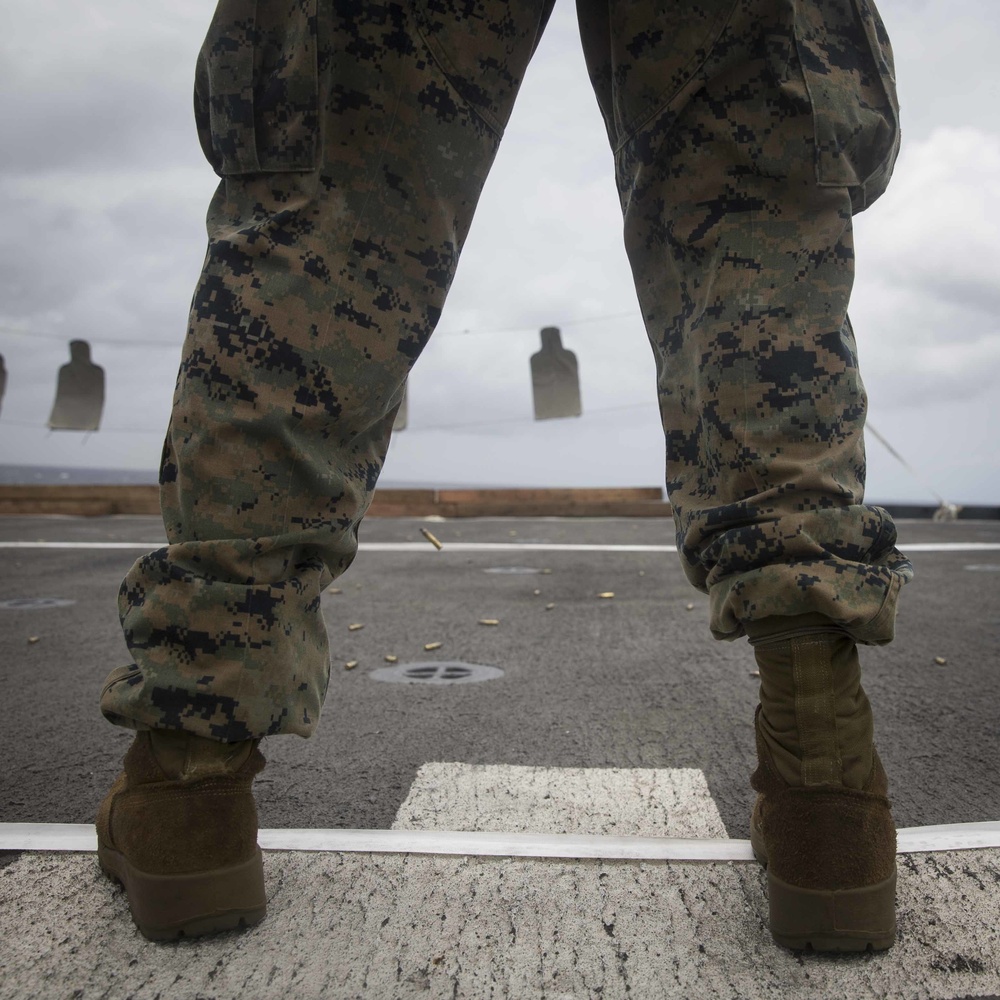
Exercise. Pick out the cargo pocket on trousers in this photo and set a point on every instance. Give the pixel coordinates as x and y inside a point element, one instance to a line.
<point>257,87</point>
<point>482,50</point>
<point>847,66</point>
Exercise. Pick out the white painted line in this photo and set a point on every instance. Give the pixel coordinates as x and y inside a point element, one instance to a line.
<point>653,803</point>
<point>48,837</point>
<point>380,547</point>
<point>583,547</point>
<point>912,840</point>
<point>147,546</point>
<point>925,547</point>
<point>950,837</point>
<point>514,547</point>
<point>513,845</point>
<point>951,547</point>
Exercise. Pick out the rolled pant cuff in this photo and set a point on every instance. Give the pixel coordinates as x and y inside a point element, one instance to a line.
<point>860,600</point>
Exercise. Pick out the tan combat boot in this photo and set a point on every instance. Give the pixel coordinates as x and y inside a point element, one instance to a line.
<point>821,823</point>
<point>179,831</point>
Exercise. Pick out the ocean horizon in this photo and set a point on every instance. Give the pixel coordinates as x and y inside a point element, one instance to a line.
<point>53,475</point>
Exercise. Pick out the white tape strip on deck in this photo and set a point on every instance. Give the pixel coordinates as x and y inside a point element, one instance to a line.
<point>659,815</point>
<point>914,840</point>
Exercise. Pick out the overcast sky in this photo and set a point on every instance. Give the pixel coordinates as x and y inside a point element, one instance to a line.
<point>104,189</point>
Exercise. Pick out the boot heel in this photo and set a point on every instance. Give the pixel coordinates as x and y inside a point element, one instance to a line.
<point>833,920</point>
<point>165,907</point>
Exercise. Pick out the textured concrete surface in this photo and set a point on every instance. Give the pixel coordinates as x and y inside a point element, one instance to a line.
<point>385,926</point>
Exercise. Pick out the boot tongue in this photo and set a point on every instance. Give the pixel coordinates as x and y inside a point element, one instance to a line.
<point>186,757</point>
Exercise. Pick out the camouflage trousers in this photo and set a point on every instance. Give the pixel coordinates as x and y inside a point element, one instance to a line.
<point>352,141</point>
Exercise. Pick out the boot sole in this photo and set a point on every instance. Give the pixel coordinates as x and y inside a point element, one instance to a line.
<point>830,919</point>
<point>166,907</point>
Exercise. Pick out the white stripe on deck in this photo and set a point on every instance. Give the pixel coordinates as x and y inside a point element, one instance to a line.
<point>492,546</point>
<point>910,840</point>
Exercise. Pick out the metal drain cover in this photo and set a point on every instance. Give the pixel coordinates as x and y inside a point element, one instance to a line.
<point>513,570</point>
<point>436,672</point>
<point>34,603</point>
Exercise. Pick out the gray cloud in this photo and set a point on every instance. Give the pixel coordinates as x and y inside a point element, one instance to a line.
<point>39,263</point>
<point>104,123</point>
<point>99,86</point>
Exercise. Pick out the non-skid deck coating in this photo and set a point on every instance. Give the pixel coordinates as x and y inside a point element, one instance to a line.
<point>371,925</point>
<point>615,717</point>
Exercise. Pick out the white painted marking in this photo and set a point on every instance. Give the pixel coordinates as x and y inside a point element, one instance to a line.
<point>614,802</point>
<point>81,837</point>
<point>515,547</point>
<point>948,837</point>
<point>380,547</point>
<point>148,546</point>
<point>48,837</point>
<point>516,845</point>
<point>951,547</point>
<point>565,547</point>
<point>925,547</point>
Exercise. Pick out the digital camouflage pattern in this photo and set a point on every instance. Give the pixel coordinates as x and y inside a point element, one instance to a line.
<point>352,140</point>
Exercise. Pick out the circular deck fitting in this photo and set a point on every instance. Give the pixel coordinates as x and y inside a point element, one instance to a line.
<point>436,672</point>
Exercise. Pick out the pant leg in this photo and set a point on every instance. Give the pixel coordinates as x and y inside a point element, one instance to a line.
<point>352,141</point>
<point>746,133</point>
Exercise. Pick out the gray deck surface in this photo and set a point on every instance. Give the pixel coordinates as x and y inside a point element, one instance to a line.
<point>601,700</point>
